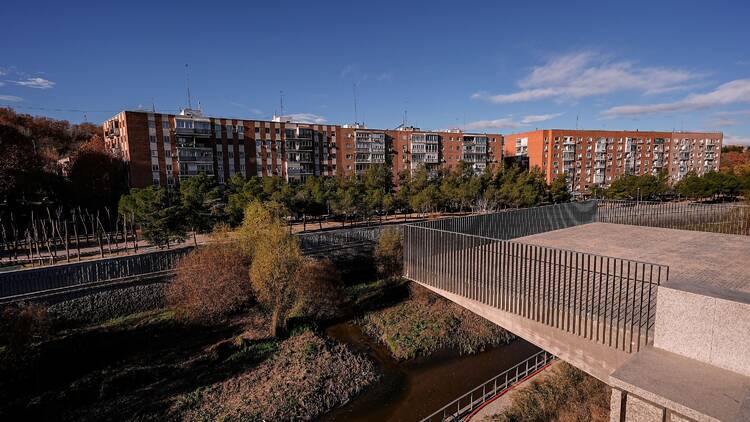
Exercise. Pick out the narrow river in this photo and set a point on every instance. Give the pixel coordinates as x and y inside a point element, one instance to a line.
<point>410,391</point>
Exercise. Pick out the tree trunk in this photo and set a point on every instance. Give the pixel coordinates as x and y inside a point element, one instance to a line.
<point>276,321</point>
<point>195,239</point>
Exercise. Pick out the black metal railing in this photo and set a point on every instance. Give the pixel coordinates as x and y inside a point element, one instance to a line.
<point>515,223</point>
<point>336,239</point>
<point>467,403</point>
<point>21,282</point>
<point>726,218</point>
<point>604,299</point>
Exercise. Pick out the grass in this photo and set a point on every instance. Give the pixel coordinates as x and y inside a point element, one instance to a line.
<point>566,395</point>
<point>427,323</point>
<point>137,320</point>
<point>306,377</point>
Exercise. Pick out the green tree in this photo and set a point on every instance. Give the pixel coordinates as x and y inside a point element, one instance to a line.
<point>158,212</point>
<point>558,190</point>
<point>201,202</point>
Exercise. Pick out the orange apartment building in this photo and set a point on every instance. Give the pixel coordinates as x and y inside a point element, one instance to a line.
<point>162,149</point>
<point>592,158</point>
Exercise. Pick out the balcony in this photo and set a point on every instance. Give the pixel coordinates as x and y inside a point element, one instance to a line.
<point>115,131</point>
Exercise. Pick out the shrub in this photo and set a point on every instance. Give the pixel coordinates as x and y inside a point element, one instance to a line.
<point>389,253</point>
<point>23,324</point>
<point>319,290</point>
<point>211,282</point>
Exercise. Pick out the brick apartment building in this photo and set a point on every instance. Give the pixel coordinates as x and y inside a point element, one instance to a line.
<point>597,157</point>
<point>162,149</point>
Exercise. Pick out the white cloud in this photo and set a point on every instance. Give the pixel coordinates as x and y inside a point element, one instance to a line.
<point>503,123</point>
<point>38,83</point>
<point>737,91</point>
<point>536,118</point>
<point>307,118</point>
<point>510,123</point>
<point>586,74</point>
<point>10,98</point>
<point>736,140</point>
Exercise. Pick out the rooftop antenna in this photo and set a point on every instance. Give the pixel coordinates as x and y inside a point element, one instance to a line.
<point>354,89</point>
<point>187,80</point>
<point>281,102</point>
<point>153,105</point>
<point>576,121</point>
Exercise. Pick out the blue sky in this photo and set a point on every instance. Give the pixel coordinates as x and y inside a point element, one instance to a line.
<point>494,66</point>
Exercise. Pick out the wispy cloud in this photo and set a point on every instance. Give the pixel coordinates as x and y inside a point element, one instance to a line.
<point>729,118</point>
<point>38,83</point>
<point>307,118</point>
<point>734,92</point>
<point>736,140</point>
<point>510,123</point>
<point>586,74</point>
<point>252,110</point>
<point>10,98</point>
<point>385,76</point>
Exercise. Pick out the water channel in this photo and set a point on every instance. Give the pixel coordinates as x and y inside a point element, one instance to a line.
<point>410,391</point>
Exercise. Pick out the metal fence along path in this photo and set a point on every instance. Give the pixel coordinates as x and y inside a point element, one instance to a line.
<point>20,282</point>
<point>725,218</point>
<point>466,404</point>
<point>24,282</point>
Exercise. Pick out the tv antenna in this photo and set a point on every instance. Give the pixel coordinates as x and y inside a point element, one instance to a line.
<point>354,90</point>
<point>187,81</point>
<point>281,102</point>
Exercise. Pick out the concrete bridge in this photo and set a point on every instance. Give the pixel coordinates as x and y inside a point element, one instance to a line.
<point>651,298</point>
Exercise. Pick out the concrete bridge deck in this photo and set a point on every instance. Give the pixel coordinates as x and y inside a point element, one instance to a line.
<point>695,362</point>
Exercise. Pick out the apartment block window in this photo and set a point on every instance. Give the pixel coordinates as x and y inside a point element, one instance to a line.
<point>168,153</point>
<point>165,124</point>
<point>229,129</point>
<point>155,167</point>
<point>152,139</point>
<point>166,139</point>
<point>268,131</point>
<point>169,167</point>
<point>151,124</point>
<point>154,153</point>
<point>277,131</point>
<point>240,129</point>
<point>217,129</point>
<point>257,130</point>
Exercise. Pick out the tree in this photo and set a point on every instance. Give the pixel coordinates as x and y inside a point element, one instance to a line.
<point>276,258</point>
<point>643,187</point>
<point>389,253</point>
<point>558,190</point>
<point>158,212</point>
<point>201,203</point>
<point>97,178</point>
<point>211,282</point>
<point>239,193</point>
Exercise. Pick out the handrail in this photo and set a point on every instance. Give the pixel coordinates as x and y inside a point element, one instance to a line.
<point>460,407</point>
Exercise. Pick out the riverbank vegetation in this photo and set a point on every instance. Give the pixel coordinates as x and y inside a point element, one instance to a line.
<point>306,377</point>
<point>566,395</point>
<point>427,323</point>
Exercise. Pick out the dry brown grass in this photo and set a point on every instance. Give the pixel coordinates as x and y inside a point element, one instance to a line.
<point>22,325</point>
<point>566,395</point>
<point>211,282</point>
<point>426,323</point>
<point>307,377</point>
